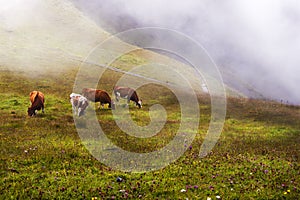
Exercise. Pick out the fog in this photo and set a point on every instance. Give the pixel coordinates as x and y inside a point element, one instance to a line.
<point>255,43</point>
<point>38,37</point>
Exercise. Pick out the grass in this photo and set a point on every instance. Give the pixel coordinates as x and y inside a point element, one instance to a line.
<point>256,157</point>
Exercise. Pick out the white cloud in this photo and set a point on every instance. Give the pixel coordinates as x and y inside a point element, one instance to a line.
<point>260,40</point>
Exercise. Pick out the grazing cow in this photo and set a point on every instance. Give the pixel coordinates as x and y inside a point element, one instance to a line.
<point>79,104</point>
<point>127,93</point>
<point>37,100</point>
<point>98,96</point>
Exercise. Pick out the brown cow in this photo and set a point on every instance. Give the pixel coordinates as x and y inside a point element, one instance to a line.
<point>127,93</point>
<point>37,100</point>
<point>98,96</point>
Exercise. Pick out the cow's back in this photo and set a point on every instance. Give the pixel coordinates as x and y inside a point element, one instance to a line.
<point>125,92</point>
<point>96,95</point>
<point>102,96</point>
<point>89,93</point>
<point>33,95</point>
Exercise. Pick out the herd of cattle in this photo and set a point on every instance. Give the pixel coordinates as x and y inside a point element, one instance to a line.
<point>81,101</point>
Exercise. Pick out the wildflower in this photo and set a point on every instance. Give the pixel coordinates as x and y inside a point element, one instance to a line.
<point>208,198</point>
<point>288,191</point>
<point>119,179</point>
<point>218,197</point>
<point>285,193</point>
<point>188,186</point>
<point>182,190</point>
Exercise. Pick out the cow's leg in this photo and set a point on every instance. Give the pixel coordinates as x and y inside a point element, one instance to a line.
<point>79,111</point>
<point>73,109</point>
<point>79,108</point>
<point>101,105</point>
<point>128,101</point>
<point>73,106</point>
<point>43,109</point>
<point>117,95</point>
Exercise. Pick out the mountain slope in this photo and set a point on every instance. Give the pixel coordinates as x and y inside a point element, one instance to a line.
<point>50,36</point>
<point>45,35</point>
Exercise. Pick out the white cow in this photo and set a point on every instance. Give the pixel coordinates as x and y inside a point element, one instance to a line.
<point>79,103</point>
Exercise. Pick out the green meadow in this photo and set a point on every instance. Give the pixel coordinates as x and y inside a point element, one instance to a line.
<point>42,157</point>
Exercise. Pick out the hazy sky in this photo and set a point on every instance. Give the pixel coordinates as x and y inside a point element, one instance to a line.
<point>256,40</point>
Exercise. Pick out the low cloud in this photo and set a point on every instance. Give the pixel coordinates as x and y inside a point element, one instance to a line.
<point>256,42</point>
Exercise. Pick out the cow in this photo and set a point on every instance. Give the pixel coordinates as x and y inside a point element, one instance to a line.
<point>79,104</point>
<point>37,100</point>
<point>127,93</point>
<point>96,95</point>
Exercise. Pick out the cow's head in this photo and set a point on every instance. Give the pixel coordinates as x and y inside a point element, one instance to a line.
<point>30,111</point>
<point>139,103</point>
<point>113,105</point>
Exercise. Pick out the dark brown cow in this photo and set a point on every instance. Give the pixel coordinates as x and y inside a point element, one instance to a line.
<point>98,96</point>
<point>127,93</point>
<point>37,100</point>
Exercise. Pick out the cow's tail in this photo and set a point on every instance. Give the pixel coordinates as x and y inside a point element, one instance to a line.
<point>34,97</point>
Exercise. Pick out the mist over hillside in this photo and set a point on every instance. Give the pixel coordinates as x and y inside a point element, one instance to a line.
<point>255,44</point>
<point>40,36</point>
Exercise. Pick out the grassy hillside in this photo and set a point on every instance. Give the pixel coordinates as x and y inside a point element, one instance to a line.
<point>257,156</point>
